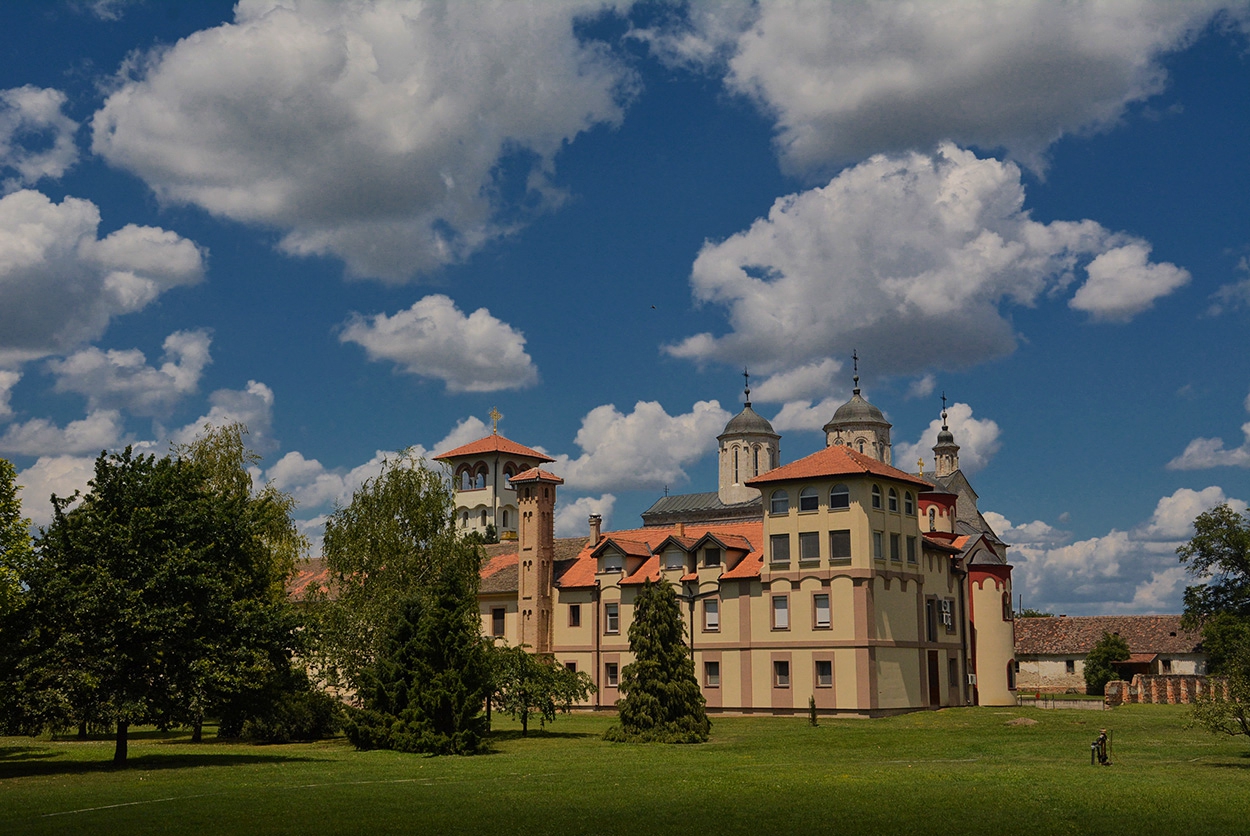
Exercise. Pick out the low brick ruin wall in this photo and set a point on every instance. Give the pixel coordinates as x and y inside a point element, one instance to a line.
<point>1166,689</point>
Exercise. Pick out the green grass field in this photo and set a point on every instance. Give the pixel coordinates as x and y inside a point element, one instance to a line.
<point>958,771</point>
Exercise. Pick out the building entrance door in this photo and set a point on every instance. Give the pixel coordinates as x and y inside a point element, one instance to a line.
<point>935,695</point>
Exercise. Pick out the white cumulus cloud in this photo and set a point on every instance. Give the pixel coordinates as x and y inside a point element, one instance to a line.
<point>376,132</point>
<point>62,285</point>
<point>100,430</point>
<point>572,518</point>
<point>60,475</point>
<point>1203,453</point>
<point>434,338</point>
<point>845,80</point>
<point>910,259</point>
<point>251,406</point>
<point>645,448</point>
<point>123,379</point>
<point>8,379</point>
<point>36,138</point>
<point>1123,283</point>
<point>978,440</point>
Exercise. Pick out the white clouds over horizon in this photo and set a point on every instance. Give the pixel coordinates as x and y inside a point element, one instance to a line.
<point>62,285</point>
<point>913,260</point>
<point>8,379</point>
<point>373,132</point>
<point>573,518</point>
<point>843,81</point>
<point>31,116</point>
<point>978,440</point>
<point>434,339</point>
<point>1203,453</point>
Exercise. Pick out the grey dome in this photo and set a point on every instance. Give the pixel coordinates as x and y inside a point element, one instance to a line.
<point>945,436</point>
<point>856,411</point>
<point>748,421</point>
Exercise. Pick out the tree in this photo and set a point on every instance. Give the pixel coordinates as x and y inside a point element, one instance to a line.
<point>154,598</point>
<point>1098,668</point>
<point>1219,552</point>
<point>15,546</point>
<point>528,683</point>
<point>425,691</point>
<point>662,701</point>
<point>387,547</point>
<point>1029,612</point>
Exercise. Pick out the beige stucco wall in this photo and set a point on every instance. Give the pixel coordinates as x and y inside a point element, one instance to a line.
<point>994,640</point>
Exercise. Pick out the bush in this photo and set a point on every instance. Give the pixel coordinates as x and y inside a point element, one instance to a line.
<point>1098,668</point>
<point>298,716</point>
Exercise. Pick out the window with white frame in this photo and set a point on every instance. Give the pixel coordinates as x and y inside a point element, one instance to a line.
<point>876,496</point>
<point>711,615</point>
<point>611,618</point>
<point>781,612</point>
<point>809,500</point>
<point>896,553</point>
<point>781,674</point>
<point>820,606</point>
<point>611,674</point>
<point>779,502</point>
<point>575,615</point>
<point>497,621</point>
<point>711,557</point>
<point>809,545</point>
<point>839,497</point>
<point>948,614</point>
<point>878,545</point>
<point>779,548</point>
<point>824,673</point>
<point>674,559</point>
<point>909,504</point>
<point>893,498</point>
<point>911,549</point>
<point>612,562</point>
<point>711,674</point>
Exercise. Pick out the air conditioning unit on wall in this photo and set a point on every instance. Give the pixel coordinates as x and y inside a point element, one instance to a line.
<point>972,679</point>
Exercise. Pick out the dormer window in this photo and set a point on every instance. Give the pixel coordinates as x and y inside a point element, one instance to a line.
<point>876,496</point>
<point>779,503</point>
<point>839,497</point>
<point>674,559</point>
<point>612,563</point>
<point>808,499</point>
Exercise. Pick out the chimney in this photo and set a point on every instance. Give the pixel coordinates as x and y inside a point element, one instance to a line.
<point>680,529</point>
<point>596,522</point>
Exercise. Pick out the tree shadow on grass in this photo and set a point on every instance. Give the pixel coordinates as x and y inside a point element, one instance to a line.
<point>33,761</point>
<point>537,734</point>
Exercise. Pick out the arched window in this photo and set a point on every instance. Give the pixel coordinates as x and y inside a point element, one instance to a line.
<point>861,445</point>
<point>508,472</point>
<point>909,506</point>
<point>876,496</point>
<point>779,503</point>
<point>839,497</point>
<point>466,480</point>
<point>755,452</point>
<point>808,499</point>
<point>505,518</point>
<point>479,481</point>
<point>1011,675</point>
<point>893,499</point>
<point>932,518</point>
<point>1006,606</point>
<point>464,519</point>
<point>735,465</point>
<point>483,516</point>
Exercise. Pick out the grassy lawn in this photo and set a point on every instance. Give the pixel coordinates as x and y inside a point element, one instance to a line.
<point>958,771</point>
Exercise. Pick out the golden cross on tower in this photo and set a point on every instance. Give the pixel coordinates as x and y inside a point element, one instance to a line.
<point>494,421</point>
<point>920,464</point>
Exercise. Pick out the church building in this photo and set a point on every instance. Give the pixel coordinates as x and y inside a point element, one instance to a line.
<point>836,577</point>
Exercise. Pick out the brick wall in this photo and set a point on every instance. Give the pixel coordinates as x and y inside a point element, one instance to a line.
<point>1169,689</point>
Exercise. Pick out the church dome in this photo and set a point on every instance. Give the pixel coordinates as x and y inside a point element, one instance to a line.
<point>748,421</point>
<point>856,411</point>
<point>946,436</point>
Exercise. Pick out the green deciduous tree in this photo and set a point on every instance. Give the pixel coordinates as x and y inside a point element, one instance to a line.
<point>1098,668</point>
<point>427,687</point>
<point>527,683</point>
<point>1029,612</point>
<point>662,701</point>
<point>15,544</point>
<point>1218,553</point>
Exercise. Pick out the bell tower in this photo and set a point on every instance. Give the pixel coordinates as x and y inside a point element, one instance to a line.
<point>536,502</point>
<point>946,451</point>
<point>748,447</point>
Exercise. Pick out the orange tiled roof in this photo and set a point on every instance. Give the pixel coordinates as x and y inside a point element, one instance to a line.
<point>535,474</point>
<point>648,571</point>
<point>838,460</point>
<point>309,575</point>
<point>494,443</point>
<point>581,573</point>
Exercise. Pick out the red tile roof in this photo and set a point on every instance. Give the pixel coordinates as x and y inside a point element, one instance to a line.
<point>535,474</point>
<point>1078,634</point>
<point>838,460</point>
<point>648,571</point>
<point>494,443</point>
<point>644,541</point>
<point>309,575</point>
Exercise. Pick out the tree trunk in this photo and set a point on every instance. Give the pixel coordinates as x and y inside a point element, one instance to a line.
<point>82,730</point>
<point>197,732</point>
<point>119,754</point>
<point>525,722</point>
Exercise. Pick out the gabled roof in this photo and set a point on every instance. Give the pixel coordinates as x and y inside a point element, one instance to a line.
<point>838,460</point>
<point>535,474</point>
<point>1078,635</point>
<point>725,541</point>
<point>628,547</point>
<point>645,541</point>
<point>705,501</point>
<point>494,443</point>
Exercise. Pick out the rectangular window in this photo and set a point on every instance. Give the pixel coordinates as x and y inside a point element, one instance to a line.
<point>612,563</point>
<point>895,551</point>
<point>674,559</point>
<point>878,545</point>
<point>781,674</point>
<point>711,615</point>
<point>575,615</point>
<point>840,544</point>
<point>824,673</point>
<point>781,612</point>
<point>610,674</point>
<point>809,545</point>
<point>711,557</point>
<point>1069,666</point>
<point>779,548</point>
<point>952,672</point>
<point>948,614</point>
<point>820,603</point>
<point>496,621</point>
<point>572,666</point>
<point>1167,665</point>
<point>611,618</point>
<point>711,674</point>
<point>930,620</point>
<point>911,549</point>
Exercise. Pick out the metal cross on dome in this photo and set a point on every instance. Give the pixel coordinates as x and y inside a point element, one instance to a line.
<point>494,416</point>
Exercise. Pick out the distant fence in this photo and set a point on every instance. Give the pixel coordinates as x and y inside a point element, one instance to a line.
<point>1164,689</point>
<point>1044,701</point>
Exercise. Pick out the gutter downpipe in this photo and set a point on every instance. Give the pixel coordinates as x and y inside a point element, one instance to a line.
<point>598,666</point>
<point>963,634</point>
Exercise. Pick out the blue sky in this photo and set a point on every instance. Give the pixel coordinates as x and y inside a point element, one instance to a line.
<point>360,227</point>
